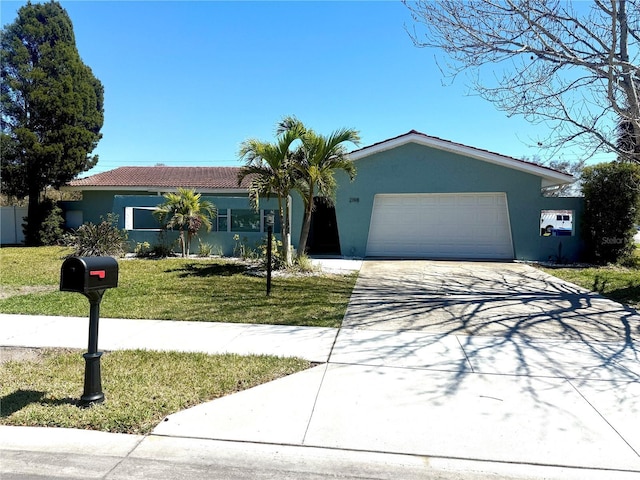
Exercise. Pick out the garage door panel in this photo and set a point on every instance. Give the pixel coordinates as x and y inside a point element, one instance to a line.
<point>440,226</point>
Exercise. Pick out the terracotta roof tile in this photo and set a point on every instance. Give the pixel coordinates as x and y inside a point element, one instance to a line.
<point>173,177</point>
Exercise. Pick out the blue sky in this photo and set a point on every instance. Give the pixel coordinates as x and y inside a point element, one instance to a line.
<point>186,82</point>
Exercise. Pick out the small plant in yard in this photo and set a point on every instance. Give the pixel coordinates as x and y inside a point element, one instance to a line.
<point>204,249</point>
<point>164,248</point>
<point>303,263</point>
<point>242,250</point>
<point>51,220</point>
<point>277,260</point>
<point>143,249</point>
<point>102,239</point>
<point>186,211</point>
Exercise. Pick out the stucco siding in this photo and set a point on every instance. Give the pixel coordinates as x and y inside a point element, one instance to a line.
<point>97,204</point>
<point>413,168</point>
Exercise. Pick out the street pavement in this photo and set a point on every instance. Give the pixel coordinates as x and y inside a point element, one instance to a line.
<point>441,370</point>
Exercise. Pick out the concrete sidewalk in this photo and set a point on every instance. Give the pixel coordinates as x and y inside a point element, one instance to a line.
<point>311,343</point>
<point>483,399</point>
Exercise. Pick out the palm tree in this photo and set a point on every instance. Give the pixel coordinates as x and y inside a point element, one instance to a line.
<point>269,167</point>
<point>184,210</point>
<point>315,162</point>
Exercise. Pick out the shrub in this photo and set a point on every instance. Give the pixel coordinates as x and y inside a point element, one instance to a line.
<point>242,250</point>
<point>304,263</point>
<point>143,249</point>
<point>91,240</point>
<point>611,197</point>
<point>204,249</point>
<point>277,259</point>
<point>164,248</point>
<point>46,228</point>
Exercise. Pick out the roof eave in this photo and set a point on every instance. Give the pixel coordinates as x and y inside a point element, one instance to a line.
<point>149,189</point>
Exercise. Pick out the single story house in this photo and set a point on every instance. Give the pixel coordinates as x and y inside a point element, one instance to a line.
<point>414,196</point>
<point>133,193</point>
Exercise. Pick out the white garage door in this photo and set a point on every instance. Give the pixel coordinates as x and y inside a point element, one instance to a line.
<point>452,225</point>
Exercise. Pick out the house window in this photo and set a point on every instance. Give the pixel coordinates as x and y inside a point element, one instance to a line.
<point>243,220</point>
<point>140,218</point>
<point>221,223</point>
<point>556,223</point>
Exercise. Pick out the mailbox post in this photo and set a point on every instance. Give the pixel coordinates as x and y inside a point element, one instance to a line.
<point>90,276</point>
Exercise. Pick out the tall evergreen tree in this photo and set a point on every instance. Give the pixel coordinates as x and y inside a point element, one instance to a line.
<point>52,107</point>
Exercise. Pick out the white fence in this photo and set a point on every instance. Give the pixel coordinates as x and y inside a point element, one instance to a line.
<point>11,220</point>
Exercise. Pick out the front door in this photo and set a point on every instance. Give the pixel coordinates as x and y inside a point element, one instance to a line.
<point>323,234</point>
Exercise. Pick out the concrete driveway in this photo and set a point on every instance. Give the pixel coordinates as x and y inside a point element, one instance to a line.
<point>482,361</point>
<point>482,298</point>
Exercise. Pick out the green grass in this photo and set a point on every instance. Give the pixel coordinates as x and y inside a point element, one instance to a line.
<point>140,387</point>
<point>618,283</point>
<point>31,266</point>
<point>214,290</point>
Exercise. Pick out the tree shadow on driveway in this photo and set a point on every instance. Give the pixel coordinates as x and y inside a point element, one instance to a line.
<point>506,319</point>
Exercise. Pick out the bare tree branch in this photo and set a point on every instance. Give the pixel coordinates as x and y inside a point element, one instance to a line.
<point>574,66</point>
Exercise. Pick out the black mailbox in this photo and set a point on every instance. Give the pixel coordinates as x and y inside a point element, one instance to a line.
<point>88,274</point>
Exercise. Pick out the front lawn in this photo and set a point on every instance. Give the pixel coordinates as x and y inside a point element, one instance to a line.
<point>617,283</point>
<point>212,290</point>
<point>140,387</point>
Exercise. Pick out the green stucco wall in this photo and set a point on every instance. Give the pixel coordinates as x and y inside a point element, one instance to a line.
<point>410,168</point>
<point>414,168</point>
<point>96,204</point>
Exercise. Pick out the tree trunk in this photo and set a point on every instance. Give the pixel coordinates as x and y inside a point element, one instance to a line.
<point>286,233</point>
<point>182,243</point>
<point>32,225</point>
<point>306,227</point>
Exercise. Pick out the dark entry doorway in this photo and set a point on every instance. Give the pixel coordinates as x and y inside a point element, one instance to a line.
<point>323,234</point>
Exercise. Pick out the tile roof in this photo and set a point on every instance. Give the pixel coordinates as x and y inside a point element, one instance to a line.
<point>173,177</point>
